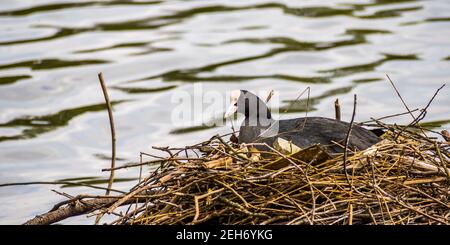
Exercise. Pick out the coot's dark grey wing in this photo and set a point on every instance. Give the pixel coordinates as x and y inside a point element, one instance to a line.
<point>316,130</point>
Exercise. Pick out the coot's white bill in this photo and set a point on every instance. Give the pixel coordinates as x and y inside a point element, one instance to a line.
<point>233,106</point>
<point>231,110</point>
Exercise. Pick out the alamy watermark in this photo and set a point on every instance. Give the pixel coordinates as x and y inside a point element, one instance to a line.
<point>199,106</point>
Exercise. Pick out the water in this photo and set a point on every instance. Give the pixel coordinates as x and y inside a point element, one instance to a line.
<point>53,125</point>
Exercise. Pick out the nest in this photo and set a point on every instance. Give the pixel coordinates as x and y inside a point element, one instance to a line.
<point>404,179</point>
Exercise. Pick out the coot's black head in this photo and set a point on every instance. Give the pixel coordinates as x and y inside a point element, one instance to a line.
<point>247,103</point>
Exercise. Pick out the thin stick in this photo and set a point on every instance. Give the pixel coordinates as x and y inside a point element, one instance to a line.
<point>401,98</point>
<point>197,206</point>
<point>347,139</point>
<point>350,218</point>
<point>113,132</point>
<point>421,115</point>
<point>269,96</point>
<point>59,183</point>
<point>307,108</point>
<point>424,110</point>
<point>287,109</point>
<point>393,115</point>
<point>337,110</point>
<point>298,97</point>
<point>406,106</point>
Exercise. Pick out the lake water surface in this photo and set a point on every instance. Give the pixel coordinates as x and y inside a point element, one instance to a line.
<point>53,123</point>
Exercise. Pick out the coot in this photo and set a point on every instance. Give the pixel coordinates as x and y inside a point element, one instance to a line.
<point>259,126</point>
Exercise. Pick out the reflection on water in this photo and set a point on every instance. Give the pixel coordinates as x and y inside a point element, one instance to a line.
<point>52,120</point>
<point>50,64</point>
<point>41,124</point>
<point>349,70</point>
<point>12,79</point>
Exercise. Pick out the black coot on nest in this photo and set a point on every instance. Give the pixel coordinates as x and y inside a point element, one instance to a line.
<point>259,126</point>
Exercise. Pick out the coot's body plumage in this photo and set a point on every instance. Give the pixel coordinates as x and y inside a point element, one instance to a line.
<point>259,126</point>
<point>305,132</point>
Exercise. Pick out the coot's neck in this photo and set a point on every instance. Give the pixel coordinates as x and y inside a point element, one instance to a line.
<point>260,117</point>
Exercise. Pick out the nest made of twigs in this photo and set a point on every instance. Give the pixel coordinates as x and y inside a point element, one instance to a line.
<point>404,179</point>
